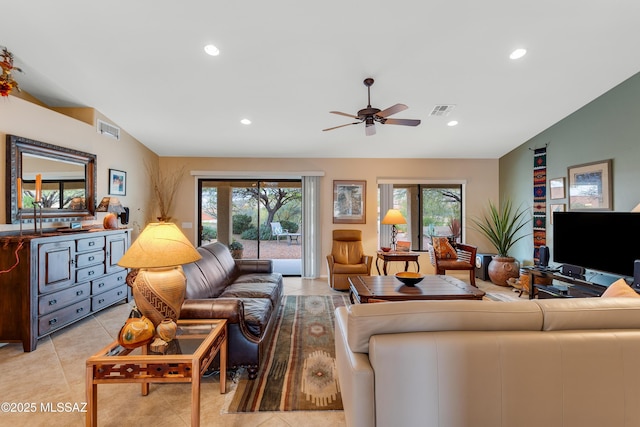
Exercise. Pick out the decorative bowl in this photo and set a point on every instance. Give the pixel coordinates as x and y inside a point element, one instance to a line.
<point>409,278</point>
<point>385,249</point>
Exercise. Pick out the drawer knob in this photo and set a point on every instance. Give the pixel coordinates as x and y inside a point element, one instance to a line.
<point>100,301</point>
<point>53,321</point>
<point>80,310</point>
<point>91,273</point>
<point>100,284</point>
<point>92,243</point>
<point>91,258</point>
<point>79,293</point>
<point>53,302</point>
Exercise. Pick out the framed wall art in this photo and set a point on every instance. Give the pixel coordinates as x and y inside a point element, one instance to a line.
<point>117,182</point>
<point>555,207</point>
<point>556,188</point>
<point>349,202</point>
<point>591,186</point>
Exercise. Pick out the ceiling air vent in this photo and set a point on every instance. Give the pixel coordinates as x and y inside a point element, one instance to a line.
<point>442,110</point>
<point>107,129</point>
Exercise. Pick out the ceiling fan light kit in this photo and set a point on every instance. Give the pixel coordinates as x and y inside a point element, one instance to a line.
<point>371,115</point>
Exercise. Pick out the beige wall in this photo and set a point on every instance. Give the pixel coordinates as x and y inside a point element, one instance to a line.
<point>23,118</point>
<point>481,177</point>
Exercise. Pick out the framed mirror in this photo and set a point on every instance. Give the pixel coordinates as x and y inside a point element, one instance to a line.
<point>67,181</point>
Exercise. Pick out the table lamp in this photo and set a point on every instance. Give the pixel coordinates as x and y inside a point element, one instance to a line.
<point>392,218</point>
<point>159,286</point>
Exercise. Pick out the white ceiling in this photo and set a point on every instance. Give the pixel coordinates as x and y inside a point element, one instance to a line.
<point>285,64</point>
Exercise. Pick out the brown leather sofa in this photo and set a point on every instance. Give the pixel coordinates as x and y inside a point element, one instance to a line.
<point>246,292</point>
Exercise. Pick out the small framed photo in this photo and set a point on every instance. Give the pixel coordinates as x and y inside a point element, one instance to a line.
<point>556,188</point>
<point>117,182</point>
<point>349,202</point>
<point>591,186</point>
<point>558,207</point>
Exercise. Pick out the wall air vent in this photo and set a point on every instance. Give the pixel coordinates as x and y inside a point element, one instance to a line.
<point>107,129</point>
<point>442,110</point>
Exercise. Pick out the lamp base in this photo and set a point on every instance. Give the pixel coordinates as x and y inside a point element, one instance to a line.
<point>159,293</point>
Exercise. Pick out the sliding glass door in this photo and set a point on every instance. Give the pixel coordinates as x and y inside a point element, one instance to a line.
<point>265,217</point>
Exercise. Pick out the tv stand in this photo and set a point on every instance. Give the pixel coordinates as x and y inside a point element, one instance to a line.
<point>577,287</point>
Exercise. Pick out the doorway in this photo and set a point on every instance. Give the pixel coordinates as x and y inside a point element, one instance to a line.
<point>263,216</point>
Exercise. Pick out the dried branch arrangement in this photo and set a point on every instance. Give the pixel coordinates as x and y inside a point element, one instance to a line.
<point>164,188</point>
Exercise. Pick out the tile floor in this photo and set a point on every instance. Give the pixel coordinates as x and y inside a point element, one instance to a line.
<point>55,373</point>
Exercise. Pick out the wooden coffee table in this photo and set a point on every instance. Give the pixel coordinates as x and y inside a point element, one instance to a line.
<point>364,289</point>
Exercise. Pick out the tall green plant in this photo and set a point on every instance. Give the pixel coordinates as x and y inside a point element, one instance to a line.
<point>502,225</point>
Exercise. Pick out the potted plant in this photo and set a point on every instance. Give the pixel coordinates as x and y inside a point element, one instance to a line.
<point>502,226</point>
<point>236,249</point>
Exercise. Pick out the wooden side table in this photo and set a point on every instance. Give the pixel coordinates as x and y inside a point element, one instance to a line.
<point>196,345</point>
<point>392,256</point>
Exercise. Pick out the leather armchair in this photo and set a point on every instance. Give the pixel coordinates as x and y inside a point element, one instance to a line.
<point>347,258</point>
<point>466,260</point>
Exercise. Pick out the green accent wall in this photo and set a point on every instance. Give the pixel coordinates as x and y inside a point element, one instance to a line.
<point>606,128</point>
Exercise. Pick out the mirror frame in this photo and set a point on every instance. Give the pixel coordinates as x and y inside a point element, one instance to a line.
<point>16,147</point>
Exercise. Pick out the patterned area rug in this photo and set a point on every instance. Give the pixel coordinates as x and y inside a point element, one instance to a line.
<point>299,372</point>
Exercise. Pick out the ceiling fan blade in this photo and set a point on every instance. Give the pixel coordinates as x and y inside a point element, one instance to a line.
<point>344,114</point>
<point>341,126</point>
<point>392,110</point>
<point>370,129</point>
<point>403,122</point>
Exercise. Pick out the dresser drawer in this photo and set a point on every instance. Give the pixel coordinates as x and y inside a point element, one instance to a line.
<point>88,273</point>
<point>106,283</point>
<point>57,300</point>
<point>64,316</point>
<point>99,302</point>
<point>89,258</point>
<point>89,244</point>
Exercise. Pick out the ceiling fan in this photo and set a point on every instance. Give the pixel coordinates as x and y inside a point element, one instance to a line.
<point>371,115</point>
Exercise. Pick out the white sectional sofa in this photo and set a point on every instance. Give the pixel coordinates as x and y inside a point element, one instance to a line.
<point>561,362</point>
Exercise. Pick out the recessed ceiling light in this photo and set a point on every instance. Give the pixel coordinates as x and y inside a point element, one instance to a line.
<point>245,121</point>
<point>518,53</point>
<point>453,123</point>
<point>212,50</point>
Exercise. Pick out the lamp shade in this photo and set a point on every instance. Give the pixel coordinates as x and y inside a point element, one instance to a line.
<point>393,217</point>
<point>161,244</point>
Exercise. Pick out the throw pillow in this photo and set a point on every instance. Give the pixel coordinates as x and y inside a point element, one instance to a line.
<point>619,288</point>
<point>443,249</point>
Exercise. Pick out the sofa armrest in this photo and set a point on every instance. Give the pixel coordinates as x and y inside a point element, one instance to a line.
<point>356,377</point>
<point>231,309</point>
<point>246,266</point>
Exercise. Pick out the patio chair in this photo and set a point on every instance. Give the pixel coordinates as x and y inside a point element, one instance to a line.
<point>277,231</point>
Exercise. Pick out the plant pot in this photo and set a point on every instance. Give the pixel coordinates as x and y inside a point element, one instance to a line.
<point>236,253</point>
<point>502,268</point>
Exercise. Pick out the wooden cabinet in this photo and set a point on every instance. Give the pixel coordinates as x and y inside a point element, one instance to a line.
<point>53,280</point>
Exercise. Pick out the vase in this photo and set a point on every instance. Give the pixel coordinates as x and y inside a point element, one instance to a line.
<point>167,329</point>
<point>502,269</point>
<point>159,292</point>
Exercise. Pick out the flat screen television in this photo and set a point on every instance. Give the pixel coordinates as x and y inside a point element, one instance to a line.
<point>603,241</point>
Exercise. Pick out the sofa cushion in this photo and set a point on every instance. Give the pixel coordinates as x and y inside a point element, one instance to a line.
<point>266,289</point>
<point>366,320</point>
<point>257,312</point>
<point>205,277</point>
<point>619,288</point>
<point>590,313</point>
